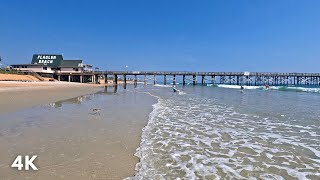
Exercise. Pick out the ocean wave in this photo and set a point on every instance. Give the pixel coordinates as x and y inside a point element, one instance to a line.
<point>238,86</point>
<point>299,89</point>
<point>182,93</point>
<point>161,85</point>
<point>279,88</point>
<point>196,138</point>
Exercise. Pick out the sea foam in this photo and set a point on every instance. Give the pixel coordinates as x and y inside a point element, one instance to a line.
<point>191,137</point>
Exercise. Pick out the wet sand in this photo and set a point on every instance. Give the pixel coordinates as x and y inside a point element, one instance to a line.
<point>72,141</point>
<point>19,95</point>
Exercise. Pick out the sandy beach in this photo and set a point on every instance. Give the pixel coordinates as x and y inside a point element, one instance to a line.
<point>16,95</point>
<point>54,120</point>
<point>18,77</point>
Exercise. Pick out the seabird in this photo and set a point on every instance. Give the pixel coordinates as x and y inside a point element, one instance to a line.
<point>95,111</point>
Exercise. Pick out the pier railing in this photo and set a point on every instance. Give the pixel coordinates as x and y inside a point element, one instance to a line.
<point>205,73</point>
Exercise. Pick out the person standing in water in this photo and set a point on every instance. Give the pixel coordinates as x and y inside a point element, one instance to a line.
<point>174,88</point>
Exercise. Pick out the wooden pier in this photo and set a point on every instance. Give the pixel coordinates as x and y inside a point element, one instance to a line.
<point>170,77</point>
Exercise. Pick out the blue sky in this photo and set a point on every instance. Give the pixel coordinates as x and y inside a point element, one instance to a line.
<point>184,35</point>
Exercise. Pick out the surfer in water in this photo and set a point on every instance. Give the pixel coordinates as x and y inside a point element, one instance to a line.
<point>242,88</point>
<point>267,86</point>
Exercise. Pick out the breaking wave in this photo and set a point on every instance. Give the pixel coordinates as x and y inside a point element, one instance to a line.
<point>280,88</point>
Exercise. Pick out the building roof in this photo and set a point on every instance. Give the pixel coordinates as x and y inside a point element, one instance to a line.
<point>64,63</point>
<point>70,63</point>
<point>27,65</point>
<point>52,60</point>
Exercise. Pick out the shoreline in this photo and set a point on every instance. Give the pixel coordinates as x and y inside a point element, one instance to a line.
<point>141,149</point>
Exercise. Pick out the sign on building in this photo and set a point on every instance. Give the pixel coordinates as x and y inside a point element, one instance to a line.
<point>52,60</point>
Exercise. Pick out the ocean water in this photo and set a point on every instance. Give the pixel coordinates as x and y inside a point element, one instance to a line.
<point>206,132</point>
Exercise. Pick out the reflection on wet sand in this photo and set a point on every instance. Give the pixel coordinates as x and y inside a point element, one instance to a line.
<point>78,100</point>
<point>88,137</point>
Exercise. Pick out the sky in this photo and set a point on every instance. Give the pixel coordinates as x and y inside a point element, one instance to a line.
<point>166,35</point>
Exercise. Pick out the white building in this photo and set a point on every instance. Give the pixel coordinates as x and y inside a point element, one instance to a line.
<point>53,63</point>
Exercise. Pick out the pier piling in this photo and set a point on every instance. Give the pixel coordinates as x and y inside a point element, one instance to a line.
<point>203,80</point>
<point>135,79</point>
<point>213,79</point>
<point>231,78</point>
<point>194,79</point>
<point>106,79</point>
<point>125,79</point>
<point>115,79</point>
<point>165,79</point>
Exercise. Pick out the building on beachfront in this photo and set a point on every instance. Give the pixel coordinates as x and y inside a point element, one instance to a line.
<point>49,64</point>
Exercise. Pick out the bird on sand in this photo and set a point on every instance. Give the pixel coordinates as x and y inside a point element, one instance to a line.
<point>95,111</point>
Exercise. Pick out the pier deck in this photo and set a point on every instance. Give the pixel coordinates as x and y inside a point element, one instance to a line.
<point>232,78</point>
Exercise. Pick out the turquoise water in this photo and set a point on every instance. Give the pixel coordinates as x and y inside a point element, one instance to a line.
<point>207,132</point>
<point>300,88</point>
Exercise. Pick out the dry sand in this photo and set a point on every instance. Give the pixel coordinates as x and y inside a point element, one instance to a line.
<point>17,77</point>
